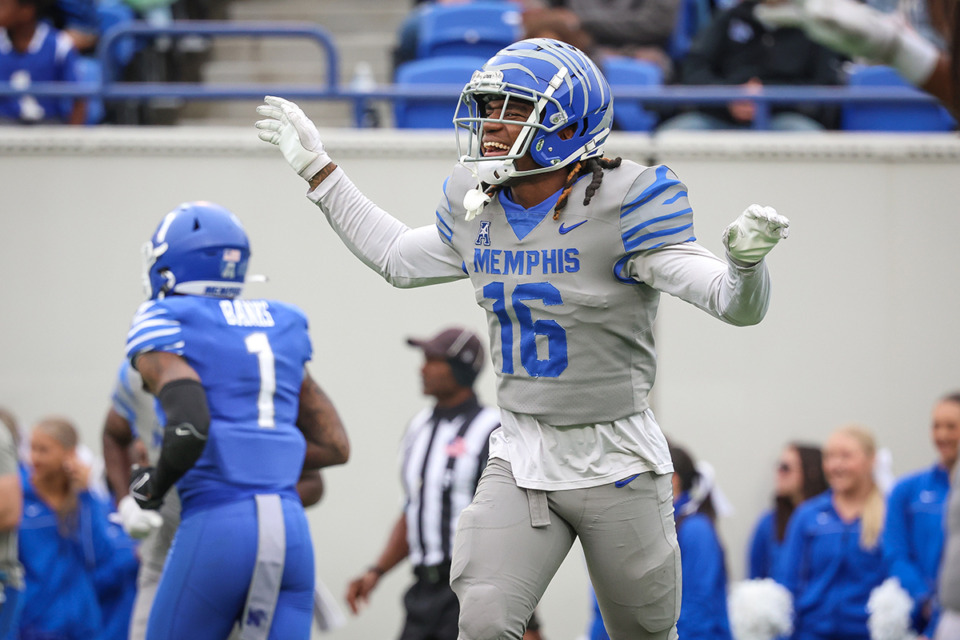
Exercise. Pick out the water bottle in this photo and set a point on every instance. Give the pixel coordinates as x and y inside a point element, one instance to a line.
<point>364,82</point>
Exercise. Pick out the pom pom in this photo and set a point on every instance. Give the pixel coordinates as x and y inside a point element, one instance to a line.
<point>760,610</point>
<point>889,607</point>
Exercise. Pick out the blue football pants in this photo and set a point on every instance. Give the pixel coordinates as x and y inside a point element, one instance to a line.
<point>203,590</point>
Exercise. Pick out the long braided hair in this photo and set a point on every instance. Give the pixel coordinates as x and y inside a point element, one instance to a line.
<point>582,167</point>
<point>594,166</point>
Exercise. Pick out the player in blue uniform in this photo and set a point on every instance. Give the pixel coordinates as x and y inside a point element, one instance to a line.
<point>231,380</point>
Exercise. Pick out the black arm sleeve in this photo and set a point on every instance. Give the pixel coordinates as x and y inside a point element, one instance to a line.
<point>188,421</point>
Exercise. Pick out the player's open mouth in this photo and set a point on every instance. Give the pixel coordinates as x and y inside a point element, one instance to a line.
<point>495,149</point>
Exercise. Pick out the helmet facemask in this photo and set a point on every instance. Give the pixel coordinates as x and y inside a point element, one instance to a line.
<point>566,90</point>
<point>485,87</point>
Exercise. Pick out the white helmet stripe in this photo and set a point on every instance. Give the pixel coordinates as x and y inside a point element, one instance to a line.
<point>167,221</point>
<point>539,55</point>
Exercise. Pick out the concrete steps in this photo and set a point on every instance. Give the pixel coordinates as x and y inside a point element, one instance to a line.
<point>363,31</point>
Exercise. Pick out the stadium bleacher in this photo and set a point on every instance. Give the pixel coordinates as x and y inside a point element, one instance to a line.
<point>236,71</point>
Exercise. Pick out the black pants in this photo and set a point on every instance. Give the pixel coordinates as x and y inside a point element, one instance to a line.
<point>431,605</point>
<point>433,609</point>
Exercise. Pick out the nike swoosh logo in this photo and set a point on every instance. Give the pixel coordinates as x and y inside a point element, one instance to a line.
<point>564,229</point>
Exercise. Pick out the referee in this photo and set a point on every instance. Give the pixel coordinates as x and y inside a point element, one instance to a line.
<point>444,451</point>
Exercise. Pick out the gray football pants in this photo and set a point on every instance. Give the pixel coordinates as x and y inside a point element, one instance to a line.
<point>505,555</point>
<point>153,555</point>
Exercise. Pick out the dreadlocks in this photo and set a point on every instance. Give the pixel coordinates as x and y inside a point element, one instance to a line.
<point>594,166</point>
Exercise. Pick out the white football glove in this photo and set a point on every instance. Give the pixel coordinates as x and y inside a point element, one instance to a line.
<point>137,522</point>
<point>857,30</point>
<point>752,235</point>
<point>290,129</point>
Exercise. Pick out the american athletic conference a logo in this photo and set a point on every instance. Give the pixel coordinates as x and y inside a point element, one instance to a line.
<point>483,238</point>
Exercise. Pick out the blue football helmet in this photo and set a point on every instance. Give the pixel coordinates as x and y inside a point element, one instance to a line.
<point>199,248</point>
<point>565,87</point>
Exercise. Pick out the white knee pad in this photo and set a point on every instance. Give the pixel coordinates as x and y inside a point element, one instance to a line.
<point>483,613</point>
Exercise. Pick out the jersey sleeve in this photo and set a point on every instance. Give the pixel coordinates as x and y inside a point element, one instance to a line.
<point>405,257</point>
<point>451,202</point>
<point>301,324</point>
<point>896,543</point>
<point>737,295</point>
<point>758,564</point>
<point>656,212</point>
<point>154,328</point>
<point>8,453</point>
<point>122,399</point>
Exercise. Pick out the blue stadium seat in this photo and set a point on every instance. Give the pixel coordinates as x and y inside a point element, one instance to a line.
<point>470,29</point>
<point>432,113</point>
<point>891,117</point>
<point>630,115</point>
<point>111,13</point>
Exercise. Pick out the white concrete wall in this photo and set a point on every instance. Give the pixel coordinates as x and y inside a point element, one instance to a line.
<point>862,326</point>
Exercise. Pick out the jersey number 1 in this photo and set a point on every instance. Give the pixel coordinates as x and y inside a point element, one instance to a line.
<point>556,361</point>
<point>259,345</point>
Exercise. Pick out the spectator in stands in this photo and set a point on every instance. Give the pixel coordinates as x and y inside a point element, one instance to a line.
<point>638,29</point>
<point>560,24</point>
<point>799,478</point>
<point>737,49</point>
<point>831,558</point>
<point>914,529</point>
<point>116,582</point>
<point>11,509</point>
<point>79,20</point>
<point>33,51</point>
<point>64,546</point>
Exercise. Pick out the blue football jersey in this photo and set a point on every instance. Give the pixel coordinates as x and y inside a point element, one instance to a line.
<point>250,355</point>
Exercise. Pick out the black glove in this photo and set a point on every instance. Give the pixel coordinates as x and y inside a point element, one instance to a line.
<point>143,487</point>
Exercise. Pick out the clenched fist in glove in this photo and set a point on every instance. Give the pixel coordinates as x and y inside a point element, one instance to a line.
<point>145,487</point>
<point>855,29</point>
<point>751,236</point>
<point>137,522</point>
<point>290,129</point>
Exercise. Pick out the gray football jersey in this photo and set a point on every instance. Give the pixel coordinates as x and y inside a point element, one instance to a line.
<point>571,335</point>
<point>9,563</point>
<point>139,408</point>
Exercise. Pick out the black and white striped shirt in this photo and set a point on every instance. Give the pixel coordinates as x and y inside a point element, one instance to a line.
<point>444,452</point>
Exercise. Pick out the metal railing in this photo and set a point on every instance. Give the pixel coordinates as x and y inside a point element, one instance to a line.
<point>112,89</point>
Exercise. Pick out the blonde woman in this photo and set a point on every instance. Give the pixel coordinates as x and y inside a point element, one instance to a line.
<point>63,540</point>
<point>831,557</point>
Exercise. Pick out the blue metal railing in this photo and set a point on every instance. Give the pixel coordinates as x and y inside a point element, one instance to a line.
<point>670,95</point>
<point>106,47</point>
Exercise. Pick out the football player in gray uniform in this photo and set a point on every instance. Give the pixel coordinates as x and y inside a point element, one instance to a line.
<point>568,253</point>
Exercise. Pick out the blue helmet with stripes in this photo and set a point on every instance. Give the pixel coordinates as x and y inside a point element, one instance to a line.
<point>565,88</point>
<point>199,248</point>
